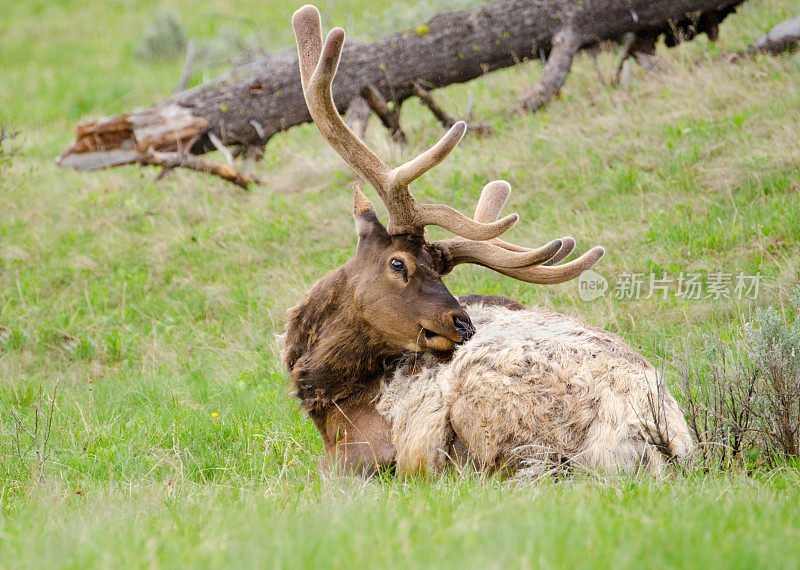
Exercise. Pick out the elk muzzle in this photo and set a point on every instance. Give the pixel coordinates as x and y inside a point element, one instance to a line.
<point>448,329</point>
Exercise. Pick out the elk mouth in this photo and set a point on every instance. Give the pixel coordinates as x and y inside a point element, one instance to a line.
<point>435,341</point>
<point>462,331</point>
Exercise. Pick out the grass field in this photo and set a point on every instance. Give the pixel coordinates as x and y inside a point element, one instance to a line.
<point>145,312</point>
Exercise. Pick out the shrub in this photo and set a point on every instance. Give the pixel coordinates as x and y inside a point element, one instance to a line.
<point>163,40</point>
<point>774,350</point>
<point>743,398</point>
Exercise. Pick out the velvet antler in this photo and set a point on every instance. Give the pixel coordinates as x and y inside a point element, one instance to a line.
<point>318,64</point>
<point>512,260</point>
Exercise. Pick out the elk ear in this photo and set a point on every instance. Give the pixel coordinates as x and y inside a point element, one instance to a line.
<point>367,222</point>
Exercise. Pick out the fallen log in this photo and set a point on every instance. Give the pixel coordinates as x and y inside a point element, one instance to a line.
<point>249,105</point>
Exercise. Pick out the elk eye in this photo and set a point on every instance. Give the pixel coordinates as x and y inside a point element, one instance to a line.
<point>398,265</point>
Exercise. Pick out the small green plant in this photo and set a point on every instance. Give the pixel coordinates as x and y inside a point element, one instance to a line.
<point>13,338</point>
<point>6,135</point>
<point>718,389</point>
<point>30,439</point>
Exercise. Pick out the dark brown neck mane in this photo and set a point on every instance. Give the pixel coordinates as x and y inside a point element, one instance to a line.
<point>330,352</point>
<point>337,361</point>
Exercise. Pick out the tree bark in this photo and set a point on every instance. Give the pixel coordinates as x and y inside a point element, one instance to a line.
<point>249,105</point>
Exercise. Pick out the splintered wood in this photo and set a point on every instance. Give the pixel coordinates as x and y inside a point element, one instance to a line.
<point>125,139</point>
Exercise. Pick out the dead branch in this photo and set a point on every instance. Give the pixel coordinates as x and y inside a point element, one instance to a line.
<point>642,48</point>
<point>357,116</point>
<point>444,118</point>
<point>559,62</point>
<point>780,39</point>
<point>390,117</point>
<point>170,160</point>
<point>191,51</point>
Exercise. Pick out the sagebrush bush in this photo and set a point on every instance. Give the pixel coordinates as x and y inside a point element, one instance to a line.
<point>221,48</point>
<point>743,398</point>
<point>163,40</point>
<point>773,347</point>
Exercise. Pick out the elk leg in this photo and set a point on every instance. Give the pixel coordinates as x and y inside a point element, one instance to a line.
<point>359,440</point>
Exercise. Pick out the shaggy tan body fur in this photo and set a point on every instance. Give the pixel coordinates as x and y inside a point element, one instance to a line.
<point>533,390</point>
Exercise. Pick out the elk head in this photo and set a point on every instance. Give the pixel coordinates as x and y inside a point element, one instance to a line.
<point>397,272</point>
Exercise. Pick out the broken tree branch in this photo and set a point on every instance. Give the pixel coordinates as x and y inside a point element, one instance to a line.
<point>642,48</point>
<point>222,148</point>
<point>779,39</point>
<point>390,117</point>
<point>625,53</point>
<point>565,45</point>
<point>170,160</point>
<point>444,118</point>
<point>191,52</point>
<point>357,116</point>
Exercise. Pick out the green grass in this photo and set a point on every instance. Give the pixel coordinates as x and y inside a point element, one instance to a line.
<point>151,307</point>
<point>451,523</point>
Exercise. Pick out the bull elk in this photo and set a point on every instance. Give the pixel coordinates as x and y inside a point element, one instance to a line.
<point>393,369</point>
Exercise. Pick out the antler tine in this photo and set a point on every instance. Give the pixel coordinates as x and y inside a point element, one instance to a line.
<point>493,197</point>
<point>567,245</point>
<point>457,223</point>
<point>530,265</point>
<point>493,256</point>
<point>307,27</point>
<point>318,65</point>
<point>406,173</point>
<point>550,275</point>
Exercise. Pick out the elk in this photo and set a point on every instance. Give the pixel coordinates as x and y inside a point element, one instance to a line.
<point>395,370</point>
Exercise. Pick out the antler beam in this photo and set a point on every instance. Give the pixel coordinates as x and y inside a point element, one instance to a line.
<point>318,64</point>
<point>493,197</point>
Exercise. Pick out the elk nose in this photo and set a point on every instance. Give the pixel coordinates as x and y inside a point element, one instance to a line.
<point>463,327</point>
